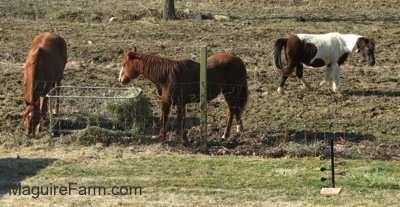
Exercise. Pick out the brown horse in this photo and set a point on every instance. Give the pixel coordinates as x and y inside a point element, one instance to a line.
<point>178,81</point>
<point>44,69</point>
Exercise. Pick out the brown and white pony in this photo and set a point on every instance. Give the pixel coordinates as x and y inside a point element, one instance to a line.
<point>44,69</point>
<point>178,82</point>
<point>330,50</point>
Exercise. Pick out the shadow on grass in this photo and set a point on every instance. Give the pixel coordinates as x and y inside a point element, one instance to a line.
<point>14,170</point>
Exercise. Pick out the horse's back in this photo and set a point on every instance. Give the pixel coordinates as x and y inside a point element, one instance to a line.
<point>44,65</point>
<point>225,60</point>
<point>330,46</point>
<point>224,73</point>
<point>229,64</point>
<point>53,44</point>
<point>49,52</point>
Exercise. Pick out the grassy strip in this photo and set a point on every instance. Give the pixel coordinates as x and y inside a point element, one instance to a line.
<point>222,180</point>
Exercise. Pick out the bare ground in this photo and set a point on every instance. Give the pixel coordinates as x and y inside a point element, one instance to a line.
<point>366,115</point>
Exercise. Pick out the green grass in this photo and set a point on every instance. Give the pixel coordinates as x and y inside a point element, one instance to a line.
<point>221,180</point>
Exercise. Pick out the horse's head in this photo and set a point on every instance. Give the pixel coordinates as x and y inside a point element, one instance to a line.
<point>366,47</point>
<point>128,70</point>
<point>31,118</point>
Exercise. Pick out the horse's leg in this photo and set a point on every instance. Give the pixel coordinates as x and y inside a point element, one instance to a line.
<point>238,117</point>
<point>286,73</point>
<point>327,76</point>
<point>299,74</point>
<point>231,94</point>
<point>165,108</point>
<point>240,105</point>
<point>282,84</point>
<point>43,110</point>
<point>336,76</point>
<point>180,112</point>
<point>56,101</point>
<point>229,119</point>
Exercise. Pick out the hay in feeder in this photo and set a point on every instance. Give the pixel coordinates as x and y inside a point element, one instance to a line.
<point>116,121</point>
<point>93,134</point>
<point>134,110</point>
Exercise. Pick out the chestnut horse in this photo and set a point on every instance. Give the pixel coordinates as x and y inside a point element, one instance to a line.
<point>178,82</point>
<point>330,50</point>
<point>44,69</point>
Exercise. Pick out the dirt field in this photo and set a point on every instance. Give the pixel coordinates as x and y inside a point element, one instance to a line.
<point>366,115</point>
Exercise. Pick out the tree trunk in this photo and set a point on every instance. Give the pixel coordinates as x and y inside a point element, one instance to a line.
<point>169,10</point>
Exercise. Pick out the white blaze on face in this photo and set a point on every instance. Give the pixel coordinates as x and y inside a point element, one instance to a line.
<point>120,74</point>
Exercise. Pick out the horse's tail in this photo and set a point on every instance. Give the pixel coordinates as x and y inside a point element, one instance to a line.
<point>276,53</point>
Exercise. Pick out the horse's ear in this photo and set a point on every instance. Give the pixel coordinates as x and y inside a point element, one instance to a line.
<point>131,55</point>
<point>134,49</point>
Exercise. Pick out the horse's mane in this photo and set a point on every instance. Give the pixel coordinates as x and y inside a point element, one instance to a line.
<point>164,70</point>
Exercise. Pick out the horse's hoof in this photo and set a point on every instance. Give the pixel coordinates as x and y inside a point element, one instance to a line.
<point>280,91</point>
<point>31,136</point>
<point>337,90</point>
<point>308,88</point>
<point>185,144</point>
<point>162,138</point>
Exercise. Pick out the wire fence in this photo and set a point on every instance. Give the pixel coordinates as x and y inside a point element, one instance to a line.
<point>269,119</point>
<point>110,108</point>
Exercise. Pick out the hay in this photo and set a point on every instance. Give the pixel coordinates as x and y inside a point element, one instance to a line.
<point>116,122</point>
<point>93,134</point>
<point>135,112</point>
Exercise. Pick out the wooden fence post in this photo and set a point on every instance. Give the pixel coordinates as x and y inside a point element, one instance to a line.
<point>203,99</point>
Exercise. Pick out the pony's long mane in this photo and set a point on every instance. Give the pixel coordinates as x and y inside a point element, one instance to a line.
<point>30,75</point>
<point>162,70</point>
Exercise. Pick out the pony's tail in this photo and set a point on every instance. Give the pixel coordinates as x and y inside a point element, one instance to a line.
<point>276,53</point>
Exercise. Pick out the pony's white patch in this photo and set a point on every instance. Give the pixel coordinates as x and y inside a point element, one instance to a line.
<point>351,40</point>
<point>330,46</point>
